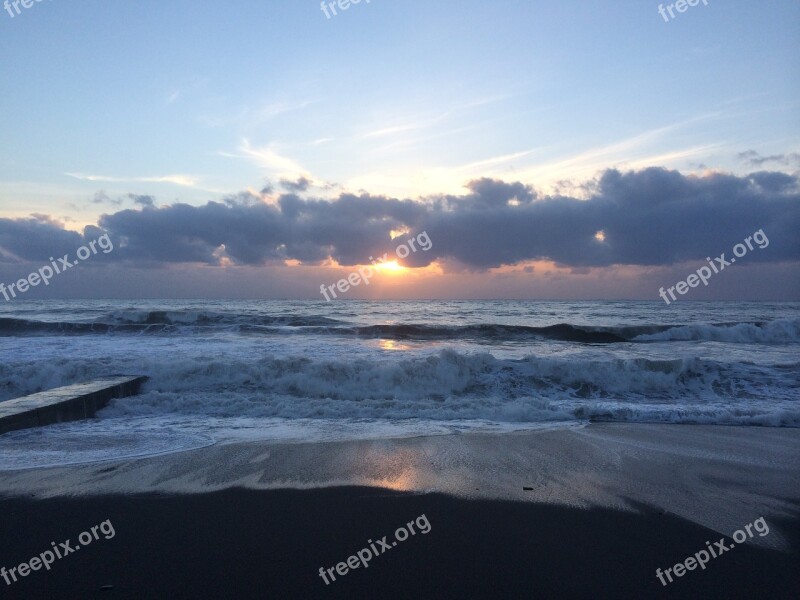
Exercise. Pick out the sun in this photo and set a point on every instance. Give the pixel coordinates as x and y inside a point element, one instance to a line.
<point>391,267</point>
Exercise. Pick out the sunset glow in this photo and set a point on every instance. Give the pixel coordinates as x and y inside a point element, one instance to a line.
<point>391,267</point>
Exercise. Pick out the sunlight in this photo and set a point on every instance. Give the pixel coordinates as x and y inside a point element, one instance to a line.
<point>391,267</point>
<point>392,345</point>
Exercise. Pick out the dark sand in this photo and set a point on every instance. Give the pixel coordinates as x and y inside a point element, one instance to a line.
<point>270,544</point>
<point>263,543</point>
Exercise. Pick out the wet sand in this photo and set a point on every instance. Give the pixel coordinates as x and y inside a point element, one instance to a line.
<point>581,513</point>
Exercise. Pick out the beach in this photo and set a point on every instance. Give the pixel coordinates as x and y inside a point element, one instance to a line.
<point>421,449</point>
<point>502,303</point>
<point>586,512</point>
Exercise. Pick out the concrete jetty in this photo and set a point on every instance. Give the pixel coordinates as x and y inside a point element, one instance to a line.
<point>68,403</point>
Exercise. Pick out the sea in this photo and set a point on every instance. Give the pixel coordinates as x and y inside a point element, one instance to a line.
<point>298,371</point>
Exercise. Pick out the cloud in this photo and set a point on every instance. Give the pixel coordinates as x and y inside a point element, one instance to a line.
<point>36,238</point>
<point>267,188</point>
<point>754,159</point>
<point>269,159</point>
<point>301,185</point>
<point>102,198</point>
<point>649,217</point>
<point>181,180</point>
<point>143,201</point>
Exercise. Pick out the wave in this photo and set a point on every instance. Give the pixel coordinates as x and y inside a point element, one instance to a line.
<point>159,322</point>
<point>162,317</point>
<point>561,332</point>
<point>21,327</point>
<point>447,386</point>
<point>783,331</point>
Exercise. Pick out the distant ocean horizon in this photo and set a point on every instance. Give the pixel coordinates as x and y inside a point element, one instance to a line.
<point>226,371</point>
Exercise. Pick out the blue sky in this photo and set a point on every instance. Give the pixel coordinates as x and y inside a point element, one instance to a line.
<point>195,101</point>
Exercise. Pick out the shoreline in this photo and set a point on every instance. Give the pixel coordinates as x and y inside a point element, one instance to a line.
<point>579,513</point>
<point>679,468</point>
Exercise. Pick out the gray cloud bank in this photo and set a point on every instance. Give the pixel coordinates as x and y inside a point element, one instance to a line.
<point>649,217</point>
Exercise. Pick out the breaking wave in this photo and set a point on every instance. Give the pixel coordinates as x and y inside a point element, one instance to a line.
<point>781,331</point>
<point>448,385</point>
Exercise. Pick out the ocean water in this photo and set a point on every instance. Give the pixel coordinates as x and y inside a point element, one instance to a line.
<point>223,371</point>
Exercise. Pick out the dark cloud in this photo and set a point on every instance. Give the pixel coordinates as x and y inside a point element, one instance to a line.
<point>301,185</point>
<point>754,159</point>
<point>35,239</point>
<point>267,188</point>
<point>102,197</point>
<point>648,217</point>
<point>143,201</point>
<point>490,193</point>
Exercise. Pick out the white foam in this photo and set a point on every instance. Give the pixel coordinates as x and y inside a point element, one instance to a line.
<point>134,438</point>
<point>88,442</point>
<point>781,331</point>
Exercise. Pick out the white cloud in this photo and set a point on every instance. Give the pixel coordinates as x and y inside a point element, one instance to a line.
<point>181,180</point>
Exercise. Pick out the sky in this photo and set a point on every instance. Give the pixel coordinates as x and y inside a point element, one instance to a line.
<point>261,149</point>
